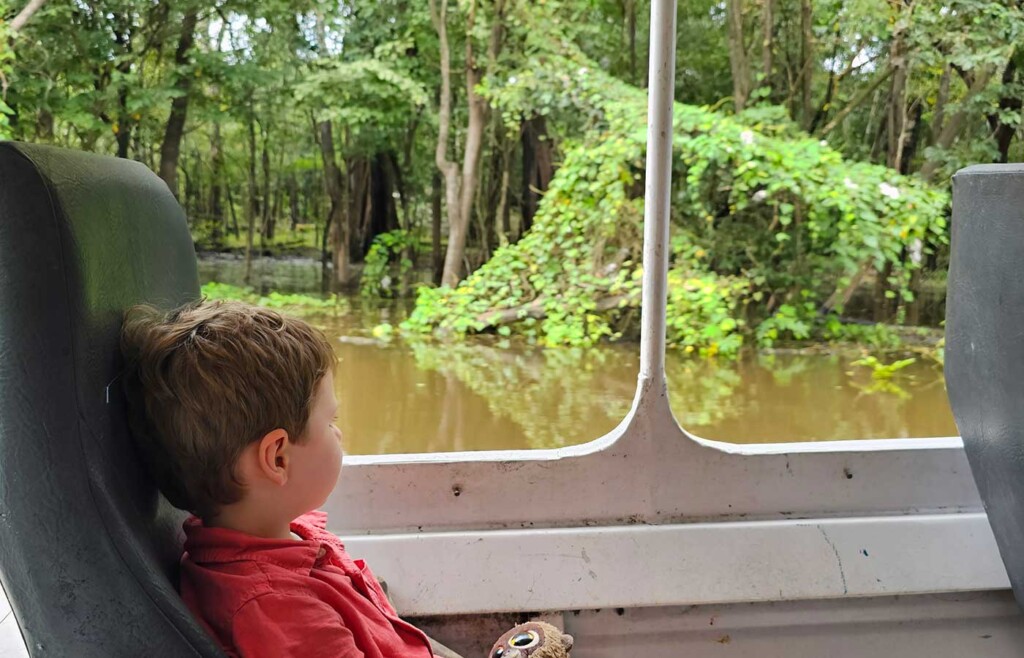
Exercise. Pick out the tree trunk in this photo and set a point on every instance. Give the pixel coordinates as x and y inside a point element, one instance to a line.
<point>360,179</point>
<point>527,196</point>
<point>217,183</point>
<point>251,208</point>
<point>1004,133</point>
<point>856,102</point>
<point>337,230</point>
<point>912,128</point>
<point>24,15</point>
<point>767,43</point>
<point>807,63</point>
<point>738,60</point>
<point>954,124</point>
<point>538,168</point>
<point>170,149</point>
<point>437,257</point>
<point>501,215</point>
<point>231,208</point>
<point>896,116</point>
<point>397,179</point>
<point>494,201</point>
<point>940,104</point>
<point>125,124</point>
<point>293,200</point>
<point>630,11</point>
<point>266,230</point>
<point>122,32</point>
<point>474,142</point>
<point>883,306</point>
<point>385,211</point>
<point>447,168</point>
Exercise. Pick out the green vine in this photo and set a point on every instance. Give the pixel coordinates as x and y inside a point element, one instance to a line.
<point>377,279</point>
<point>768,225</point>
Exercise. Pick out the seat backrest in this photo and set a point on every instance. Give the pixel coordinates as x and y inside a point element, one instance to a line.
<point>985,346</point>
<point>88,547</point>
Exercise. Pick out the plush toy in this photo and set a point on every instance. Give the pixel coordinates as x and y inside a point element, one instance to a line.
<point>534,639</point>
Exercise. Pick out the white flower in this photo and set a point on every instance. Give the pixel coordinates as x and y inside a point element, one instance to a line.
<point>888,190</point>
<point>512,80</point>
<point>850,185</point>
<point>747,137</point>
<point>583,70</point>
<point>823,143</point>
<point>760,196</point>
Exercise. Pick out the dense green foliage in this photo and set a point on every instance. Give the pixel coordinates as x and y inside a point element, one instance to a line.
<point>813,139</point>
<point>295,304</point>
<point>816,218</point>
<point>376,280</point>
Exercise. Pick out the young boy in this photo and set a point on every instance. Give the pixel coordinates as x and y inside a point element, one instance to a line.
<point>233,408</point>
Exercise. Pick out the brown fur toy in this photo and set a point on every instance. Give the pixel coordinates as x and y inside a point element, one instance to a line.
<point>534,639</point>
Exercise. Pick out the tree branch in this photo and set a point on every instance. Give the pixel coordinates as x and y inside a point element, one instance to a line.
<point>537,310</point>
<point>24,15</point>
<point>852,105</point>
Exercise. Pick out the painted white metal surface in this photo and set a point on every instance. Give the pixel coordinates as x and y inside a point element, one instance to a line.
<point>460,573</point>
<point>650,471</point>
<point>658,189</point>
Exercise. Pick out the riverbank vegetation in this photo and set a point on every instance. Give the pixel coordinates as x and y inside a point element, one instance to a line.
<point>487,156</point>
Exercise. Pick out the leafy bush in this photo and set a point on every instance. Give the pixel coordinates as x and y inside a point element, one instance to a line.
<point>767,224</point>
<point>385,249</point>
<point>297,304</point>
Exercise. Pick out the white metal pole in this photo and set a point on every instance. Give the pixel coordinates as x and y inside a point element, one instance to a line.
<point>661,88</point>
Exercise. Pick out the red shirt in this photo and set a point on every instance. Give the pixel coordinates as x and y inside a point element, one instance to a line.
<point>279,597</point>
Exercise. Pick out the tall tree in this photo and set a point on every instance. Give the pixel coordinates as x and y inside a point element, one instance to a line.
<point>738,58</point>
<point>170,149</point>
<point>461,188</point>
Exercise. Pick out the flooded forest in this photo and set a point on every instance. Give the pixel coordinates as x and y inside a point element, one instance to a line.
<point>453,191</point>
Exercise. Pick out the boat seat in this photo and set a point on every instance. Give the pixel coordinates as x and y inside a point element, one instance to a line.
<point>985,346</point>
<point>88,546</point>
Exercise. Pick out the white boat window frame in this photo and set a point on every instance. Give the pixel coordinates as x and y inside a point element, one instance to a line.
<point>650,475</point>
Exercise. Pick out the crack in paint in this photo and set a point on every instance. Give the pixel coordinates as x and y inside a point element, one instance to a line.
<point>839,560</point>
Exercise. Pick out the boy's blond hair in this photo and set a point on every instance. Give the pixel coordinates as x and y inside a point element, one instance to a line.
<point>207,380</point>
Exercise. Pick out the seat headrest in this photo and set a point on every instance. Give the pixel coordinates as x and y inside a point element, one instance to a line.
<point>985,346</point>
<point>89,547</point>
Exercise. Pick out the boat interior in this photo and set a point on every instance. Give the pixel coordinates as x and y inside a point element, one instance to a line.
<point>648,541</point>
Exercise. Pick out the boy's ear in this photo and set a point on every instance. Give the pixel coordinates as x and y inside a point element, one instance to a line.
<point>272,456</point>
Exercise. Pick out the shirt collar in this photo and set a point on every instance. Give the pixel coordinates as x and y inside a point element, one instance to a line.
<point>205,544</point>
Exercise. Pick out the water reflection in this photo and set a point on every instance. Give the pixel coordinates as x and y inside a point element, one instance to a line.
<point>402,397</point>
<point>428,397</point>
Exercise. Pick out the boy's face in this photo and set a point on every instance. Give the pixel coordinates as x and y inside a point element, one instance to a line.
<point>316,462</point>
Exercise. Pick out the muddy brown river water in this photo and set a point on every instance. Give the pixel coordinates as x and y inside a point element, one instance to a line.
<point>402,397</point>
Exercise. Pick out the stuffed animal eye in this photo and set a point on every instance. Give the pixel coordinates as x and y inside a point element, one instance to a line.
<point>499,652</point>
<point>524,640</point>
